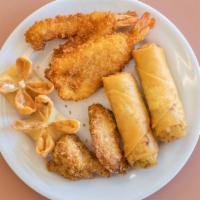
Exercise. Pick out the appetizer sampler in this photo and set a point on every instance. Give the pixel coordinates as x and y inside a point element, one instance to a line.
<point>78,72</point>
<point>98,46</point>
<point>167,115</point>
<point>140,148</point>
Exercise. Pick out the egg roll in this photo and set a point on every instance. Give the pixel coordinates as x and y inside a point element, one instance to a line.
<point>140,147</point>
<point>167,115</point>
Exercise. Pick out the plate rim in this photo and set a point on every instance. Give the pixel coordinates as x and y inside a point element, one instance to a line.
<point>184,161</point>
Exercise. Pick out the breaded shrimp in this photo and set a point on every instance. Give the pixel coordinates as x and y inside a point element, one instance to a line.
<point>74,161</point>
<point>77,73</point>
<point>79,25</point>
<point>105,139</point>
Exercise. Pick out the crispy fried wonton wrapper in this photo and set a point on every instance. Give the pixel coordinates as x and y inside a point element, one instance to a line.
<point>46,126</point>
<point>20,84</point>
<point>132,119</point>
<point>167,115</point>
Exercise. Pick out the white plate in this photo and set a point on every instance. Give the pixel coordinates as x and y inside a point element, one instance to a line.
<point>18,150</point>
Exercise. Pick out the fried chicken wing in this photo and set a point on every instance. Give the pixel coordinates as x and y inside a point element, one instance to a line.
<point>74,161</point>
<point>80,25</point>
<point>77,73</point>
<point>105,139</point>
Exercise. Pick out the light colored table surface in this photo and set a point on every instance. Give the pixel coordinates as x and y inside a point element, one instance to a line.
<point>185,14</point>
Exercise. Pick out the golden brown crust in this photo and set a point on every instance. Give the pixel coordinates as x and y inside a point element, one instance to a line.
<point>80,25</point>
<point>78,74</point>
<point>77,71</point>
<point>105,139</point>
<point>52,28</point>
<point>74,161</point>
